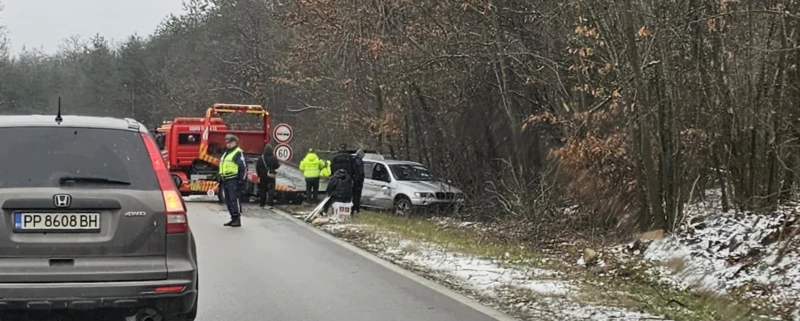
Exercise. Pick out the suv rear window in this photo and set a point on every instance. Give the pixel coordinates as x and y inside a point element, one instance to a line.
<point>40,156</point>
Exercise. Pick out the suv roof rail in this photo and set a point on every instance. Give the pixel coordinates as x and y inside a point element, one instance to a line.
<point>374,156</point>
<point>366,151</point>
<point>133,124</point>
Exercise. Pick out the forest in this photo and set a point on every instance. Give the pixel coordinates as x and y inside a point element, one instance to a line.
<point>622,111</point>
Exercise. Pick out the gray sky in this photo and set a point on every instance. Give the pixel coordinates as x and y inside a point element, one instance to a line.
<point>46,23</point>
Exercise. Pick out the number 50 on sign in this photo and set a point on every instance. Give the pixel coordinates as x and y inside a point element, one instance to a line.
<point>283,152</point>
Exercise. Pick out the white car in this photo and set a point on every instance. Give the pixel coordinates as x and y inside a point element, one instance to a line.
<point>405,186</point>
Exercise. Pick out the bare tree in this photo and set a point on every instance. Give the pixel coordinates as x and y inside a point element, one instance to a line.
<point>628,109</point>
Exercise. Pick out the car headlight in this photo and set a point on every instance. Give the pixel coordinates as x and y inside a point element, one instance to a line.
<point>424,195</point>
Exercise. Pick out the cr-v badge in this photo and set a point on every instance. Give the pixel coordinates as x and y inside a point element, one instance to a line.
<point>136,214</point>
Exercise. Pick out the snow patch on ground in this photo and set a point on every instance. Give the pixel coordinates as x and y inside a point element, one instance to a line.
<point>538,293</point>
<point>484,275</point>
<point>732,253</point>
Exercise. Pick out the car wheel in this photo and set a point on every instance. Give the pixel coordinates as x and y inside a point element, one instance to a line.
<point>177,181</point>
<point>403,206</point>
<point>298,198</point>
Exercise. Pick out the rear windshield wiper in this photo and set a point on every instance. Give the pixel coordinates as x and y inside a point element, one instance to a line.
<point>101,180</point>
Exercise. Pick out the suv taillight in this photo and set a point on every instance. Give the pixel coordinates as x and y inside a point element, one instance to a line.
<point>177,221</point>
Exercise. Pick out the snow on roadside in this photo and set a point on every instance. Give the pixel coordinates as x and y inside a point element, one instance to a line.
<point>729,253</point>
<point>538,293</point>
<point>732,252</point>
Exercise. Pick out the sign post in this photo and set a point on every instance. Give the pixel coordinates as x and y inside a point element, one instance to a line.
<point>283,152</point>
<point>283,133</point>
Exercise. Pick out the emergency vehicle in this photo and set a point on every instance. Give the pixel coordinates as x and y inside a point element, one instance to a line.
<point>191,147</point>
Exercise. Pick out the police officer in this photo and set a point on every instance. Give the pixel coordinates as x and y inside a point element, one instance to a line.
<point>232,170</point>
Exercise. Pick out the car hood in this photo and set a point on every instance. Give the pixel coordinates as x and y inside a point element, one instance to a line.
<point>428,186</point>
<point>291,176</point>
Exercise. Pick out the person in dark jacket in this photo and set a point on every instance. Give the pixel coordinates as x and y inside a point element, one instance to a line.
<point>340,189</point>
<point>232,171</point>
<point>267,168</point>
<point>358,180</point>
<point>344,160</point>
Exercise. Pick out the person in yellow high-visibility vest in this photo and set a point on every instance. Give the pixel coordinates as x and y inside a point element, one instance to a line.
<point>326,172</point>
<point>232,171</point>
<point>311,166</point>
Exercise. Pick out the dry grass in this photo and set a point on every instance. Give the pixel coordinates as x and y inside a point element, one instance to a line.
<point>680,306</point>
<point>460,240</point>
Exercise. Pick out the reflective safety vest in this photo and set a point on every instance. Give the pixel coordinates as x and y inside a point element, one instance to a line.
<point>326,172</point>
<point>311,165</point>
<point>227,165</point>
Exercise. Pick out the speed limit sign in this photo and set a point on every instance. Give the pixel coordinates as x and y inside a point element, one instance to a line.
<point>283,152</point>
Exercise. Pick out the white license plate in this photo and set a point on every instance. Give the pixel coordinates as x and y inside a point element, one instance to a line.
<point>57,222</point>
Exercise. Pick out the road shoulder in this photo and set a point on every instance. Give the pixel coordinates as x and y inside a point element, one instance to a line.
<point>527,284</point>
<point>465,300</point>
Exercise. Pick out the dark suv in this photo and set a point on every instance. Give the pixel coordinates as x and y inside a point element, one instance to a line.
<point>92,223</point>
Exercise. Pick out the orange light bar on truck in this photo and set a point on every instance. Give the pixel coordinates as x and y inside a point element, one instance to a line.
<point>257,112</point>
<point>237,106</point>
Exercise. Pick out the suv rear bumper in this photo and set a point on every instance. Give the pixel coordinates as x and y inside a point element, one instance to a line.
<point>99,295</point>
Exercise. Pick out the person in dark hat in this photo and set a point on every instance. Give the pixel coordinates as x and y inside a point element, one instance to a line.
<point>344,160</point>
<point>232,173</point>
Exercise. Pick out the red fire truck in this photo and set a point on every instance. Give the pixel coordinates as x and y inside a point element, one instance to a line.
<point>191,147</point>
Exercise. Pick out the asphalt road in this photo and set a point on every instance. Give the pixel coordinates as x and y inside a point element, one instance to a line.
<point>274,269</point>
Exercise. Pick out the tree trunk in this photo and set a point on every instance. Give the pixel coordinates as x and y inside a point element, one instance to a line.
<point>649,185</point>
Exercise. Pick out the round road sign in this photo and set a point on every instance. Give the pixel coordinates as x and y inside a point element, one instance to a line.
<point>283,152</point>
<point>283,133</point>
